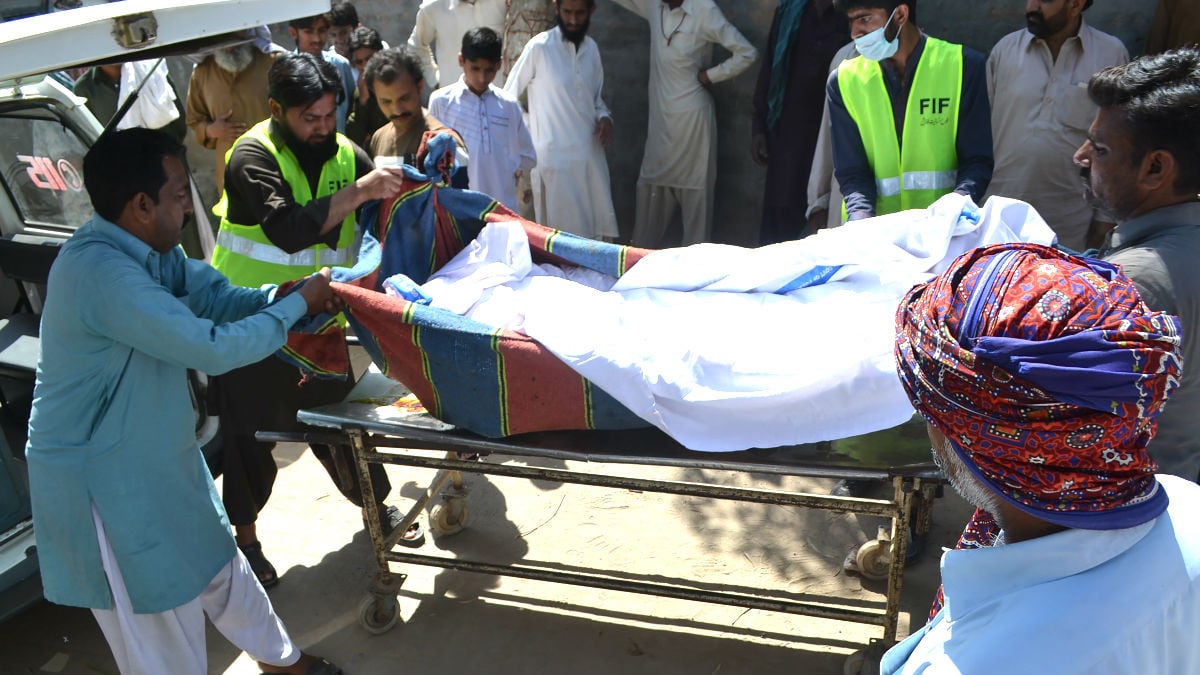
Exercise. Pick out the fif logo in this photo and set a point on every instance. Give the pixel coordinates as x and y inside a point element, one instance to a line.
<point>936,106</point>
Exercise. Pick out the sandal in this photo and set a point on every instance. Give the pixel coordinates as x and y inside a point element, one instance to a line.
<point>263,569</point>
<point>318,667</point>
<point>323,667</point>
<point>390,518</point>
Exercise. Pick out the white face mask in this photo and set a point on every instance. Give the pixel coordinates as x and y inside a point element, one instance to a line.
<point>875,46</point>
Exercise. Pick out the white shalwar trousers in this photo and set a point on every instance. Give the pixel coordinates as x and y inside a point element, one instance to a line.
<point>656,209</point>
<point>173,641</point>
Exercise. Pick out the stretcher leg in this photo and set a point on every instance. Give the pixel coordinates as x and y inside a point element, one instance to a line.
<point>379,610</point>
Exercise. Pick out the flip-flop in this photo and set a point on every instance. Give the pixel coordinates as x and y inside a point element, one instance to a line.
<point>263,569</point>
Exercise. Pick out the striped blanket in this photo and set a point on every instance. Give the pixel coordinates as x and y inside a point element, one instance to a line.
<point>495,382</point>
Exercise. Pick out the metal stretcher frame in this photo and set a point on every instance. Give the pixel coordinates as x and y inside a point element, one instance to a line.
<point>382,434</point>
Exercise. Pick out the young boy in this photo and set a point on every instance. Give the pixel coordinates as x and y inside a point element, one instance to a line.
<point>488,118</point>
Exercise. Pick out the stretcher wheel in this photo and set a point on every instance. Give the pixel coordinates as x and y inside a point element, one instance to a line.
<point>854,663</point>
<point>866,661</point>
<point>449,518</point>
<point>874,558</point>
<point>377,614</point>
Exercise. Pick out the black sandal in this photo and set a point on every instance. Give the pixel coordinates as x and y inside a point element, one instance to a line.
<point>390,518</point>
<point>263,569</point>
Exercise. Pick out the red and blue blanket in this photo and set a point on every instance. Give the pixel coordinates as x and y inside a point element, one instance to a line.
<point>494,382</point>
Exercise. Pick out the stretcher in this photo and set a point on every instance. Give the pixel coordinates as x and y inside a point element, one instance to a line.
<point>385,424</point>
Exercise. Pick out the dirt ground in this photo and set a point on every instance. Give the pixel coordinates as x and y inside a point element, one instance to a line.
<point>465,622</point>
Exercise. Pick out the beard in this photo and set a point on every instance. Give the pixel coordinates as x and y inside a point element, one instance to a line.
<point>235,59</point>
<point>575,36</point>
<point>1042,27</point>
<point>965,483</point>
<point>311,151</point>
<point>1112,212</point>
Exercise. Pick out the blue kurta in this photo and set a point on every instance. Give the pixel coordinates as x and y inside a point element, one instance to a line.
<point>113,423</point>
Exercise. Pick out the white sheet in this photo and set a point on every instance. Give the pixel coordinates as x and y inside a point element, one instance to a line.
<point>698,342</point>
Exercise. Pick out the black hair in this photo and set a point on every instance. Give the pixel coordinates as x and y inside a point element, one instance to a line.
<point>590,3</point>
<point>368,38</point>
<point>123,164</point>
<point>481,43</point>
<point>1158,98</point>
<point>301,79</point>
<point>342,13</point>
<point>887,5</point>
<point>387,65</point>
<point>308,21</point>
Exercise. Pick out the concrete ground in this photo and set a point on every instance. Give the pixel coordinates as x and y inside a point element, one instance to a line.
<point>464,622</point>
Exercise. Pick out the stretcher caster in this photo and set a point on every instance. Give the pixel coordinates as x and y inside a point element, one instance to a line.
<point>450,517</point>
<point>873,559</point>
<point>865,661</point>
<point>378,614</point>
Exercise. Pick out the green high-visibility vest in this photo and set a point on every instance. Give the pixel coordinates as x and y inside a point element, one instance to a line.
<point>912,174</point>
<point>245,254</point>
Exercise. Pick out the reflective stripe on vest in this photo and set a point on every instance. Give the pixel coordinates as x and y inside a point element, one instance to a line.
<point>245,254</point>
<point>270,253</point>
<point>911,174</point>
<point>917,180</point>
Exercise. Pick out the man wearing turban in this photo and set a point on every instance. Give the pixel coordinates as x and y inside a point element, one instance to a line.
<point>1041,376</point>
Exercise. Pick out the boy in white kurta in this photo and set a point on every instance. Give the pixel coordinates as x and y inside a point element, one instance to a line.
<point>488,118</point>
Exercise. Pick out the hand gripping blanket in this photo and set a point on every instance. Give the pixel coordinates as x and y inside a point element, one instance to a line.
<point>515,327</point>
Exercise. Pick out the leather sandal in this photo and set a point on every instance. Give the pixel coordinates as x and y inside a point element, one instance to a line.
<point>390,518</point>
<point>263,569</point>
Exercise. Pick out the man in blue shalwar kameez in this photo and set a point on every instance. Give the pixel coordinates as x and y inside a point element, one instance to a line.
<point>128,520</point>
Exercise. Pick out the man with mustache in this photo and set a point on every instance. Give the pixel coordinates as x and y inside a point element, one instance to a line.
<point>1037,83</point>
<point>1141,167</point>
<point>126,512</point>
<point>394,77</point>
<point>225,98</point>
<point>292,187</point>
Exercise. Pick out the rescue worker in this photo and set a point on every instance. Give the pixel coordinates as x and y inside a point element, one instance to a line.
<point>292,185</point>
<point>909,118</point>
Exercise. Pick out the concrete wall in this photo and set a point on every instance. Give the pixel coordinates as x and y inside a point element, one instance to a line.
<point>623,39</point>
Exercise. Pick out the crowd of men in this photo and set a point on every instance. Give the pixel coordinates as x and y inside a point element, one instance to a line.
<point>305,137</point>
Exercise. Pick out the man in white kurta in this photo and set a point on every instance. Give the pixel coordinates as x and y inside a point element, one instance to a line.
<point>679,168</point>
<point>443,22</point>
<point>570,125</point>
